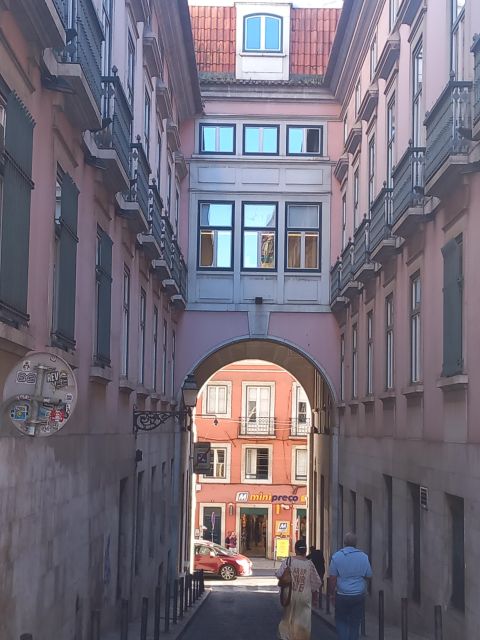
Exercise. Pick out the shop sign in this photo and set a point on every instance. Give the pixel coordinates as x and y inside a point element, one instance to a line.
<point>282,547</point>
<point>246,496</point>
<point>283,528</point>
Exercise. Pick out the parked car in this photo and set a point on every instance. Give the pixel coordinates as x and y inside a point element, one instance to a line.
<point>227,564</point>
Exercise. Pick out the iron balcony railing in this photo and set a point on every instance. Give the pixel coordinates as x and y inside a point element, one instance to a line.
<point>140,172</point>
<point>117,135</point>
<point>335,280</point>
<point>167,241</point>
<point>361,253</point>
<point>347,265</point>
<point>155,217</point>
<point>448,125</point>
<point>380,227</point>
<point>300,427</point>
<point>476,80</point>
<point>408,182</point>
<point>257,426</point>
<point>179,270</point>
<point>84,42</point>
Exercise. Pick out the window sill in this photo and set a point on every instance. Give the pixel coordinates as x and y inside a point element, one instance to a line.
<point>370,399</point>
<point>266,436</point>
<point>250,481</point>
<point>69,356</point>
<point>262,54</point>
<point>453,383</point>
<point>142,392</point>
<point>341,406</point>
<point>101,375</point>
<point>126,386</point>
<point>388,396</point>
<point>354,402</point>
<point>413,390</point>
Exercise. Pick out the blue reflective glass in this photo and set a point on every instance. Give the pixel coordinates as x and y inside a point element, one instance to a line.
<point>272,34</point>
<point>252,140</point>
<point>208,138</point>
<point>224,249</point>
<point>252,33</point>
<point>259,215</point>
<point>270,140</point>
<point>295,141</point>
<point>226,139</point>
<point>216,215</point>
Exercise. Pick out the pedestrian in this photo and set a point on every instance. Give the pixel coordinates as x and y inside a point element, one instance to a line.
<point>227,541</point>
<point>316,556</point>
<point>348,571</point>
<point>296,623</point>
<point>233,540</point>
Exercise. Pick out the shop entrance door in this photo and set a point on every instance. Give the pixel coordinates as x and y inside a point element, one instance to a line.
<point>253,531</point>
<point>212,524</point>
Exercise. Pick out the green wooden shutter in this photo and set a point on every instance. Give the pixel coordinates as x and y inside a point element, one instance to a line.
<point>67,264</point>
<point>452,309</point>
<point>15,211</point>
<point>104,311</point>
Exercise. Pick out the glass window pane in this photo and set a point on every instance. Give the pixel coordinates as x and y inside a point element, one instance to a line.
<point>294,250</point>
<point>208,138</point>
<point>213,214</point>
<point>206,248</point>
<point>270,143</point>
<point>252,36</point>
<point>224,249</point>
<point>311,251</point>
<point>210,399</point>
<point>225,135</point>
<point>250,250</point>
<point>313,141</point>
<point>252,140</point>
<point>259,215</point>
<point>295,141</point>
<point>272,34</point>
<point>267,257</point>
<point>303,216</point>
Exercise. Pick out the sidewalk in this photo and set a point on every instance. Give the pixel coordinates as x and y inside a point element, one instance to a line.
<point>175,632</point>
<point>371,626</point>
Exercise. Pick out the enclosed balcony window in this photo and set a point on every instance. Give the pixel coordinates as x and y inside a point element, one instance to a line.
<point>303,236</point>
<point>263,33</point>
<point>257,464</point>
<point>304,140</point>
<point>216,235</point>
<point>259,235</point>
<point>260,140</point>
<point>217,138</point>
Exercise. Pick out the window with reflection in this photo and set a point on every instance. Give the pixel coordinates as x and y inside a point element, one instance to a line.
<point>260,140</point>
<point>262,33</point>
<point>303,236</point>
<point>304,140</point>
<point>217,138</point>
<point>259,230</point>
<point>216,235</point>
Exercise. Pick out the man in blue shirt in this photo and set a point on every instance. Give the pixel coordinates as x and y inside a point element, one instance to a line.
<point>348,569</point>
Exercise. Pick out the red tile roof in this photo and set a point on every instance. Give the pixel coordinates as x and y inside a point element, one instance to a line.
<point>311,38</point>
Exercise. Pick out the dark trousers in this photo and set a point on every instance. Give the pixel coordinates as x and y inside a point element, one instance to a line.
<point>348,616</point>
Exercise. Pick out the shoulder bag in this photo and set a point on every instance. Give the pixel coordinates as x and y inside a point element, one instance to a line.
<point>285,584</point>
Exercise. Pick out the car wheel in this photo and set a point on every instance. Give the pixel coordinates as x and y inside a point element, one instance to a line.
<point>227,572</point>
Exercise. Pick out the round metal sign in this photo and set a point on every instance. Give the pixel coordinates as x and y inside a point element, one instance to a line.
<point>40,394</point>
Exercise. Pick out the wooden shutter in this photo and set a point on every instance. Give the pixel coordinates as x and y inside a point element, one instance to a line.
<point>15,211</point>
<point>67,264</point>
<point>452,308</point>
<point>104,310</point>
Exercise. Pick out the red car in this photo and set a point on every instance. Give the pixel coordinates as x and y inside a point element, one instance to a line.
<point>213,558</point>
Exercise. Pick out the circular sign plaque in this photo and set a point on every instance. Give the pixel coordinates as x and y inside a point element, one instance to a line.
<point>40,394</point>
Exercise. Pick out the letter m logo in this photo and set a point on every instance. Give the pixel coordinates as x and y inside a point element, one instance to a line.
<point>242,496</point>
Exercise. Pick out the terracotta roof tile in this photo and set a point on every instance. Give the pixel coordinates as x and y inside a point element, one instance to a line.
<point>214,37</point>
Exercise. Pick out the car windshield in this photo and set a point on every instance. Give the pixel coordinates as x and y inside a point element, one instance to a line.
<point>222,550</point>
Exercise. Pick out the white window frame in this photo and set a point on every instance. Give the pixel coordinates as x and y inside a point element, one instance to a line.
<point>356,196</point>
<point>392,14</point>
<point>263,48</point>
<point>246,480</point>
<point>355,360</point>
<point>217,127</point>
<point>344,219</point>
<point>415,329</point>
<point>227,446</point>
<point>373,57</point>
<point>261,151</point>
<point>305,129</point>
<point>304,232</point>
<point>342,367</point>
<point>155,347</point>
<point>369,380</point>
<point>371,171</point>
<point>253,383</point>
<point>299,395</point>
<point>391,125</point>
<point>457,40</point>
<point>142,318</point>
<point>125,322</point>
<point>294,477</point>
<point>218,383</point>
<point>389,342</point>
<point>358,97</point>
<point>418,116</point>
<point>147,117</point>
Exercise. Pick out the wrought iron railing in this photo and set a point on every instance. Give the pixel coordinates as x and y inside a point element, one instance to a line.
<point>140,172</point>
<point>300,427</point>
<point>408,181</point>
<point>167,242</point>
<point>448,125</point>
<point>380,218</point>
<point>257,426</point>
<point>347,265</point>
<point>155,217</point>
<point>84,43</point>
<point>335,280</point>
<point>361,253</point>
<point>118,134</point>
<point>476,79</point>
<point>179,270</point>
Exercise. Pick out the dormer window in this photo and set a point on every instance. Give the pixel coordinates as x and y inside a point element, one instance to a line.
<point>262,33</point>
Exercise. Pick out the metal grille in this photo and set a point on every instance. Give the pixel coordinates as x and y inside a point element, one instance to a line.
<point>408,182</point>
<point>381,218</point>
<point>258,426</point>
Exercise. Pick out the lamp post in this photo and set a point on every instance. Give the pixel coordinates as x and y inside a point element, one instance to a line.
<point>150,420</point>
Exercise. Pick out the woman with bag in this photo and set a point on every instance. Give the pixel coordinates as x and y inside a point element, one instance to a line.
<point>299,583</point>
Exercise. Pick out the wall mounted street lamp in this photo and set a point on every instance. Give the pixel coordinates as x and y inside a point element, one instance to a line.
<point>150,420</point>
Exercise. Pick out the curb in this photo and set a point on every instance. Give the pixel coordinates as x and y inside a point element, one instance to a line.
<point>181,627</point>
<point>330,621</point>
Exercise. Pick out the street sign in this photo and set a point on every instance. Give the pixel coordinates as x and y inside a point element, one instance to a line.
<point>201,457</point>
<point>283,528</point>
<point>40,394</point>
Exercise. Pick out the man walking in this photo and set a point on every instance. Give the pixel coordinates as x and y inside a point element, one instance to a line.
<point>348,569</point>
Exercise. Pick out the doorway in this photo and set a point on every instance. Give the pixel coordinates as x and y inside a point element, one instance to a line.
<point>253,532</point>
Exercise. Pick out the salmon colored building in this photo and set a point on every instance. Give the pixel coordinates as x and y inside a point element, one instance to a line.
<point>256,417</point>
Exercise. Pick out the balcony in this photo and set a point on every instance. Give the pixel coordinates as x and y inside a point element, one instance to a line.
<point>476,88</point>
<point>75,68</point>
<point>114,140</point>
<point>337,302</point>
<point>41,21</point>
<point>363,267</point>
<point>164,265</point>
<point>258,427</point>
<point>173,136</point>
<point>408,192</point>
<point>152,241</point>
<point>152,56</point>
<point>348,285</point>
<point>389,57</point>
<point>300,428</point>
<point>164,100</point>
<point>133,204</point>
<point>170,267</point>
<point>353,140</point>
<point>382,242</point>
<point>179,277</point>
<point>407,11</point>
<point>341,168</point>
<point>447,151</point>
<point>369,103</point>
